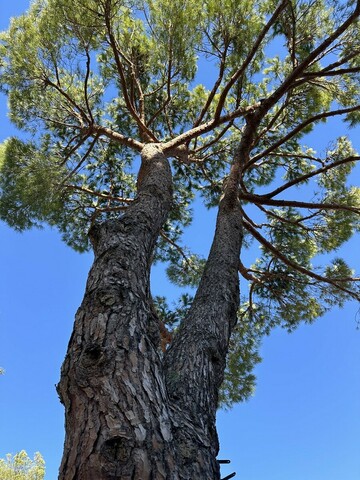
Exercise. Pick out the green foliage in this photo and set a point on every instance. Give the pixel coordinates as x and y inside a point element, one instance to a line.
<point>172,316</point>
<point>186,272</point>
<point>21,467</point>
<point>28,177</point>
<point>239,381</point>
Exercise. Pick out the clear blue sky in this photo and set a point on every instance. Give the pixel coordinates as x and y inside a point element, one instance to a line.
<point>302,424</point>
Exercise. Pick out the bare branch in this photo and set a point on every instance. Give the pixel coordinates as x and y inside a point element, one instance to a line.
<point>274,119</point>
<point>118,138</point>
<point>89,150</point>
<point>215,140</point>
<point>76,146</point>
<point>78,112</point>
<point>69,126</point>
<point>297,222</point>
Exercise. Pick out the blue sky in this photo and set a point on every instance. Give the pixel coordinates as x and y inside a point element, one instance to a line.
<point>302,424</point>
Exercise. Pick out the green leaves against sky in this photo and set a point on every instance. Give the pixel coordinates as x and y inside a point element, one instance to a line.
<point>89,82</point>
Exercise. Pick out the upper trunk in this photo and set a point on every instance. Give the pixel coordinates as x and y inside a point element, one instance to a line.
<point>120,421</point>
<point>196,360</point>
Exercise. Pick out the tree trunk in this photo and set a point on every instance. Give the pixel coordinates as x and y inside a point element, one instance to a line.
<point>195,362</point>
<point>131,414</point>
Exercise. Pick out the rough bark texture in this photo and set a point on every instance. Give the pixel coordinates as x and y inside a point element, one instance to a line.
<point>131,414</point>
<point>195,362</point>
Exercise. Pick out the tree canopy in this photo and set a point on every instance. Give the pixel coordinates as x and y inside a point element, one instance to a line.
<point>222,86</point>
<point>21,467</point>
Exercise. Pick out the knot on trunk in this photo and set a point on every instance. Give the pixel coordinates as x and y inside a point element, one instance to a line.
<point>91,354</point>
<point>117,449</point>
<point>94,361</point>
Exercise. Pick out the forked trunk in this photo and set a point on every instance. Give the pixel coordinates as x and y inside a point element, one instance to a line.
<point>131,414</point>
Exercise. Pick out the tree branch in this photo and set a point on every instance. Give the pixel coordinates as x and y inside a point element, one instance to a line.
<point>175,245</point>
<point>297,222</point>
<point>118,138</point>
<point>248,59</point>
<point>208,126</point>
<point>298,129</point>
<point>259,199</point>
<point>131,108</point>
<point>307,176</point>
<point>89,150</point>
<point>289,81</point>
<point>86,86</point>
<point>98,194</point>
<point>215,140</point>
<point>329,73</point>
<point>298,267</point>
<point>244,272</point>
<point>214,89</point>
<point>78,112</point>
<point>162,108</point>
<point>329,69</point>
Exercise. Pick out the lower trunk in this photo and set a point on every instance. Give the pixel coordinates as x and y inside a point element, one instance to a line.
<point>132,413</point>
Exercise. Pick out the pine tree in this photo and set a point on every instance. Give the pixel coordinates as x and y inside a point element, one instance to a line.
<point>120,136</point>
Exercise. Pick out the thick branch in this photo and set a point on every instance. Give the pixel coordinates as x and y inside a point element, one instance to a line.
<point>118,138</point>
<point>186,137</point>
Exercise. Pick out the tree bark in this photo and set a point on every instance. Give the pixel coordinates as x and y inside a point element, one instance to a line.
<point>195,362</point>
<point>130,412</point>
